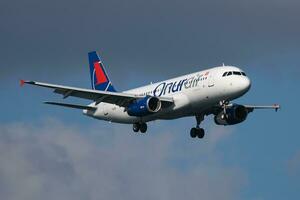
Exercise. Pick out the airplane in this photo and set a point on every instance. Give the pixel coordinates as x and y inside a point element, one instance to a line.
<point>199,94</point>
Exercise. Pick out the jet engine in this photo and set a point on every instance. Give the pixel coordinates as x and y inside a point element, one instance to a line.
<point>144,106</point>
<point>233,115</point>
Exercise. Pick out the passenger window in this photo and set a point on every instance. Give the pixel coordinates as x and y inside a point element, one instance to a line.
<point>237,73</point>
<point>229,73</point>
<point>225,74</point>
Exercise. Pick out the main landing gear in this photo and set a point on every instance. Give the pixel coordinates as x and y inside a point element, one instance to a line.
<point>142,127</point>
<point>197,131</point>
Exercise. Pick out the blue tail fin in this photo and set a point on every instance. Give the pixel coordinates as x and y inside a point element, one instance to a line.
<point>99,78</point>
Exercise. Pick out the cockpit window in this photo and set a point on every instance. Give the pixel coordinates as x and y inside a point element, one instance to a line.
<point>234,73</point>
<point>237,73</point>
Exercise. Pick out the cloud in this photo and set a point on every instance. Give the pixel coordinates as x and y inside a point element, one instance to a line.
<point>50,40</point>
<point>51,160</point>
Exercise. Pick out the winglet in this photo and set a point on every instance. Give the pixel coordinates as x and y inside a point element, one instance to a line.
<point>22,82</point>
<point>276,106</point>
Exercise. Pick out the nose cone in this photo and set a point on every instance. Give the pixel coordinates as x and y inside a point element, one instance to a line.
<point>245,84</point>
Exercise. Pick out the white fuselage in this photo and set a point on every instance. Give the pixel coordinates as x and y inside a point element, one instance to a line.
<point>192,95</point>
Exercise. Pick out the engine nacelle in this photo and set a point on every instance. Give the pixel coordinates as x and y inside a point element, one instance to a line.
<point>234,115</point>
<point>144,106</point>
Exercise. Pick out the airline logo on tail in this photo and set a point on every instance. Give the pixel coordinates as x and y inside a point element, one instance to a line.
<point>99,78</point>
<point>99,73</point>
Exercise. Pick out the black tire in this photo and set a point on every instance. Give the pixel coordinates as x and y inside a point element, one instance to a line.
<point>136,127</point>
<point>193,132</point>
<point>200,133</point>
<point>143,127</point>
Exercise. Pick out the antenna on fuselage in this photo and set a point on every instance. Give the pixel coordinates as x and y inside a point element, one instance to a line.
<point>223,65</point>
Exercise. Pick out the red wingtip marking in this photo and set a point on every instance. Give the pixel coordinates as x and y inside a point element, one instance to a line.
<point>22,82</point>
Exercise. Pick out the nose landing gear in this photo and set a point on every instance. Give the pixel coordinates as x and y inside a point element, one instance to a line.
<point>197,131</point>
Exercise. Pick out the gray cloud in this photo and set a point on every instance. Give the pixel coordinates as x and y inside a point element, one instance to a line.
<point>51,160</point>
<point>50,39</point>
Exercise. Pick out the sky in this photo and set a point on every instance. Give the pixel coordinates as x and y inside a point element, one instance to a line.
<point>54,153</point>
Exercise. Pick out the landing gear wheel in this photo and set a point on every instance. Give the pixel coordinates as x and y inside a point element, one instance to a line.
<point>193,132</point>
<point>136,127</point>
<point>200,133</point>
<point>197,132</point>
<point>143,127</point>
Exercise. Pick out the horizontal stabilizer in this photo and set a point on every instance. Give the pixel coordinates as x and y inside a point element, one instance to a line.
<point>72,106</point>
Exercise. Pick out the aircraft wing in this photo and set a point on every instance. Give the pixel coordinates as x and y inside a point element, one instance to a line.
<point>251,107</point>
<point>118,98</point>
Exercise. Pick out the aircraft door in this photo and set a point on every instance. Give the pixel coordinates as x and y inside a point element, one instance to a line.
<point>103,108</point>
<point>211,80</point>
